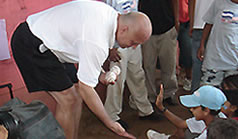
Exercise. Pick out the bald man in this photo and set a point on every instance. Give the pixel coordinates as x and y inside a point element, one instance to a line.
<point>79,32</point>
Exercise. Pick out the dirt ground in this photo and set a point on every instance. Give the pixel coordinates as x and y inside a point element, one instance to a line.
<point>92,128</point>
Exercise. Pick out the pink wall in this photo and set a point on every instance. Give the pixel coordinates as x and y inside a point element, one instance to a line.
<point>15,11</point>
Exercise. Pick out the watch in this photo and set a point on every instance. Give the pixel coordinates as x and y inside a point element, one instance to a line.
<point>164,109</point>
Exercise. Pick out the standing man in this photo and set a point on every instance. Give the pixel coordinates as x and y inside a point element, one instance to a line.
<point>131,72</point>
<point>162,43</point>
<point>68,33</point>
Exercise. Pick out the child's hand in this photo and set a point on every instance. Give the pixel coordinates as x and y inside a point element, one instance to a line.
<point>160,97</point>
<point>114,55</point>
<point>200,53</point>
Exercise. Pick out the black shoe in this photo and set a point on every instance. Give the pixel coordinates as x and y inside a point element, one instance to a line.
<point>153,117</point>
<point>123,124</point>
<point>171,101</point>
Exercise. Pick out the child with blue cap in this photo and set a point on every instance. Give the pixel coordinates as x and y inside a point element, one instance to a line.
<point>205,104</point>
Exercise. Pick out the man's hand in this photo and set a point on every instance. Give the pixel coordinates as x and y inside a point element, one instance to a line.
<point>118,129</point>
<point>160,97</point>
<point>114,55</point>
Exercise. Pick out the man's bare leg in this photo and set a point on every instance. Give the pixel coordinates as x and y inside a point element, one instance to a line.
<point>67,109</point>
<point>78,114</point>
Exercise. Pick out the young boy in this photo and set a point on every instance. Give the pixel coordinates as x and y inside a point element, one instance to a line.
<point>205,104</point>
<point>220,58</point>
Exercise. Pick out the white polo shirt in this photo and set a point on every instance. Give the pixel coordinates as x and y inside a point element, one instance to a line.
<point>78,32</point>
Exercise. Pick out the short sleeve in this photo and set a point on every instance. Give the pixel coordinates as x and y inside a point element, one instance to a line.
<point>195,126</point>
<point>91,59</point>
<point>209,16</point>
<point>203,135</point>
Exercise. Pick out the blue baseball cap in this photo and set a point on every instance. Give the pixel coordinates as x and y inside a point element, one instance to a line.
<point>206,96</point>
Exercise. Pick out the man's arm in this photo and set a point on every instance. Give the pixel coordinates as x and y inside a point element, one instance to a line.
<point>94,102</point>
<point>177,121</point>
<point>191,7</point>
<point>175,5</point>
<point>205,34</point>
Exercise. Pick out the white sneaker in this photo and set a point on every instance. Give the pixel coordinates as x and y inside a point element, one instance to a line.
<point>151,134</point>
<point>187,84</point>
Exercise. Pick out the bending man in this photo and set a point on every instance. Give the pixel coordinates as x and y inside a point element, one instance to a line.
<point>79,32</point>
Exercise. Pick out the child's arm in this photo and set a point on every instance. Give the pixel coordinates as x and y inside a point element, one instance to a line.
<point>177,121</point>
<point>205,34</point>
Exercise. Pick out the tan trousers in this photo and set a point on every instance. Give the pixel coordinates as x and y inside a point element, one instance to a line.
<point>133,73</point>
<point>163,46</point>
